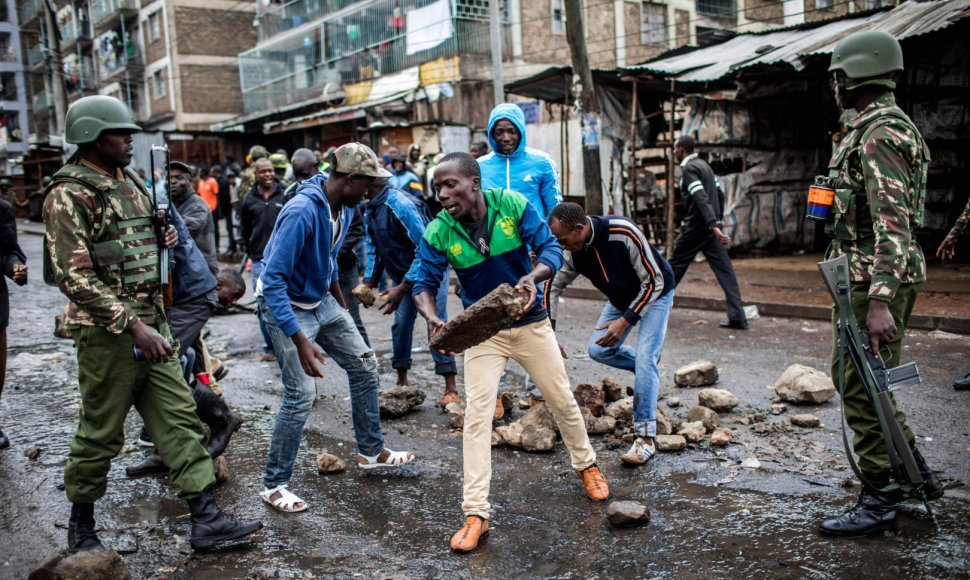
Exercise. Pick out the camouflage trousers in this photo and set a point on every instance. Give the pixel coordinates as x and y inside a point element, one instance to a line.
<point>111,381</point>
<point>868,441</point>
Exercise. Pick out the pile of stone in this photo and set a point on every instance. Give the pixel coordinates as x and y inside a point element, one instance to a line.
<point>399,400</point>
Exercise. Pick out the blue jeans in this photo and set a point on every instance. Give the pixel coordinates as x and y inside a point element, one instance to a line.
<point>402,331</point>
<point>331,327</point>
<point>642,361</point>
<point>257,269</point>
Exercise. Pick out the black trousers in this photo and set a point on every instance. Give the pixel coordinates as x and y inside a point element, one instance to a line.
<point>186,322</point>
<point>693,240</point>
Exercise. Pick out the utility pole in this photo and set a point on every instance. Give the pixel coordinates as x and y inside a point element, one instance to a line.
<point>576,37</point>
<point>55,67</point>
<point>495,30</point>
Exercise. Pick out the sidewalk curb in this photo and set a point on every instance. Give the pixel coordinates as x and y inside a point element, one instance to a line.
<point>917,321</point>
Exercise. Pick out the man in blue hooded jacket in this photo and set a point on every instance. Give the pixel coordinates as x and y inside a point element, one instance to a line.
<point>512,165</point>
<point>300,302</point>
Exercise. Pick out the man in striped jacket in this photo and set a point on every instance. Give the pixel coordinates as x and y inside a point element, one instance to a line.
<point>613,254</point>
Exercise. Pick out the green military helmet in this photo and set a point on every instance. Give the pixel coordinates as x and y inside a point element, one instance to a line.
<point>90,116</point>
<point>278,160</point>
<point>5,183</point>
<point>257,152</point>
<point>46,180</point>
<point>867,53</point>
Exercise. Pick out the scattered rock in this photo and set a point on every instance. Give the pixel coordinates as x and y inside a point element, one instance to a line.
<point>673,402</point>
<point>778,408</point>
<point>220,469</point>
<point>540,416</point>
<point>508,400</point>
<point>719,400</point>
<point>621,410</point>
<point>802,384</point>
<point>663,423</point>
<point>705,415</point>
<point>497,440</point>
<point>538,438</point>
<point>456,415</point>
<point>480,321</point>
<point>670,442</point>
<point>692,431</point>
<point>752,418</point>
<point>33,453</point>
<point>628,438</point>
<point>365,295</point>
<point>398,400</point>
<point>805,420</point>
<point>627,513</point>
<point>601,425</point>
<point>751,463</point>
<point>590,397</point>
<point>327,463</point>
<point>696,374</point>
<point>612,391</point>
<point>850,482</point>
<point>512,433</point>
<point>93,565</point>
<point>721,437</point>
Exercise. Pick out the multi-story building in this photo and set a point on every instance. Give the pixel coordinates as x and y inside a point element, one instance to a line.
<point>13,95</point>
<point>172,61</point>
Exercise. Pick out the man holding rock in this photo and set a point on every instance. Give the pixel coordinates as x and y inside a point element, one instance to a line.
<point>300,302</point>
<point>613,254</point>
<point>485,237</point>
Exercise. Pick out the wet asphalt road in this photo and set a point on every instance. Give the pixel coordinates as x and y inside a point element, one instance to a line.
<point>710,516</point>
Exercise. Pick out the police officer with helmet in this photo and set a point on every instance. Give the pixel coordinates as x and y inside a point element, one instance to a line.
<point>879,172</point>
<point>102,252</point>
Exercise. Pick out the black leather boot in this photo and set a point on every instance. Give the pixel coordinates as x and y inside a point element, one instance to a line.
<point>210,525</point>
<point>874,512</point>
<point>221,421</point>
<point>963,384</point>
<point>4,442</point>
<point>152,464</point>
<point>80,529</point>
<point>931,483</point>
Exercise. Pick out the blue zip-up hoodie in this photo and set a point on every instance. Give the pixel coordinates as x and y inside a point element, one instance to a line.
<point>298,263</point>
<point>527,171</point>
<point>395,223</point>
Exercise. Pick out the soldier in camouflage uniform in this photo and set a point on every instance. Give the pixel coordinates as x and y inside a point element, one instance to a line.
<point>103,253</point>
<point>880,172</point>
<point>248,176</point>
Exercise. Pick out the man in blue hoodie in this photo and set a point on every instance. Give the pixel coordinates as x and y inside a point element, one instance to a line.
<point>395,222</point>
<point>303,310</point>
<point>512,165</point>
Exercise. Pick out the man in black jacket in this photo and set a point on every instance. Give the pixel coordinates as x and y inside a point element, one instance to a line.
<point>260,208</point>
<point>701,231</point>
<point>613,254</point>
<point>13,266</point>
<point>194,211</point>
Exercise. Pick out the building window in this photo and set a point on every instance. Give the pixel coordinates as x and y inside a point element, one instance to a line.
<point>653,23</point>
<point>558,17</point>
<point>823,3</point>
<point>716,7</point>
<point>154,26</point>
<point>158,83</point>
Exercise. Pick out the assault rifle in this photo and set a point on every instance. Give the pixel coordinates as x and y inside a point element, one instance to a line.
<point>879,383</point>
<point>161,225</point>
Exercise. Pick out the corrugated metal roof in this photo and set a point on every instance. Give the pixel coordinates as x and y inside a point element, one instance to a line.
<point>793,46</point>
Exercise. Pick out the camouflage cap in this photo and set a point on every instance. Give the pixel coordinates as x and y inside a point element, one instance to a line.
<point>181,166</point>
<point>358,159</point>
<point>278,160</point>
<point>257,152</point>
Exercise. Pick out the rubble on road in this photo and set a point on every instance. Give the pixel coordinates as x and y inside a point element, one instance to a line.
<point>481,321</point>
<point>803,384</point>
<point>719,400</point>
<point>327,463</point>
<point>805,420</point>
<point>612,390</point>
<point>456,415</point>
<point>692,431</point>
<point>399,400</point>
<point>705,415</point>
<point>670,442</point>
<point>721,437</point>
<point>696,374</point>
<point>92,565</point>
<point>590,397</point>
<point>627,513</point>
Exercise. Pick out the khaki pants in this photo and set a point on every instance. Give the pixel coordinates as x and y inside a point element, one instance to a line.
<point>534,347</point>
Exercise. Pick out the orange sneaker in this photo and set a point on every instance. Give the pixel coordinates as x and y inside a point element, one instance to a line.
<point>595,483</point>
<point>466,540</point>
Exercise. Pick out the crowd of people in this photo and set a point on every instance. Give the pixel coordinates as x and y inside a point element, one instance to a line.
<point>321,231</point>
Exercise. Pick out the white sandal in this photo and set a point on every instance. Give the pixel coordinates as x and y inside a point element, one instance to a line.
<point>392,459</point>
<point>286,502</point>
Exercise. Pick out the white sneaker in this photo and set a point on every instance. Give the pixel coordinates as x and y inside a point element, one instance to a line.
<point>639,453</point>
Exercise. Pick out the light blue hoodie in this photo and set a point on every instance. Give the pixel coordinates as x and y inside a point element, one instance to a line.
<point>527,171</point>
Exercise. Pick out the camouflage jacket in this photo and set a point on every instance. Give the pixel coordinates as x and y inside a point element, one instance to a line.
<point>246,180</point>
<point>102,248</point>
<point>963,223</point>
<point>880,168</point>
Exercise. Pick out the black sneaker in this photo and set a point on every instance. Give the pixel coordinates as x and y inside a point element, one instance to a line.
<point>144,439</point>
<point>963,384</point>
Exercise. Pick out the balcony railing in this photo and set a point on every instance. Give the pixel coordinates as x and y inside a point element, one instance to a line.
<point>35,55</point>
<point>28,11</point>
<point>102,9</point>
<point>117,61</point>
<point>370,39</point>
